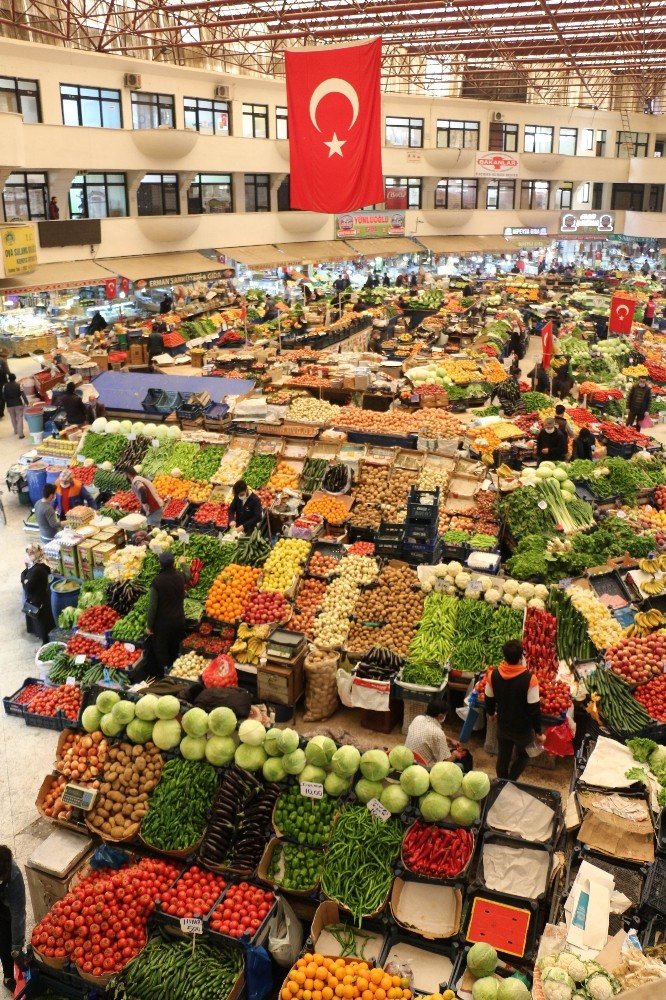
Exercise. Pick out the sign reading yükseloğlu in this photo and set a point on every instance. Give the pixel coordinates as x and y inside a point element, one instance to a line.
<point>498,165</point>
<point>369,224</point>
<point>587,222</point>
<point>19,249</point>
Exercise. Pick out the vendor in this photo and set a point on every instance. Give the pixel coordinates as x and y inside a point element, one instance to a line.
<point>166,305</point>
<point>165,619</point>
<point>45,515</point>
<point>71,493</point>
<point>12,916</point>
<point>96,324</point>
<point>561,421</point>
<point>638,402</point>
<point>155,341</point>
<point>245,511</point>
<point>72,404</point>
<point>425,737</point>
<point>551,443</point>
<point>35,583</point>
<point>151,502</point>
<point>563,381</point>
<point>583,446</point>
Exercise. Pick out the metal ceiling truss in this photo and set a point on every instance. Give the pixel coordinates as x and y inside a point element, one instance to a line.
<point>596,53</point>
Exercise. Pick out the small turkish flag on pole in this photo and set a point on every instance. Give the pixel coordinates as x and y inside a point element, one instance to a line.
<point>546,344</point>
<point>621,314</point>
<point>334,108</point>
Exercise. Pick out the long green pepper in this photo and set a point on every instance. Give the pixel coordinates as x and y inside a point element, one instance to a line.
<point>178,810</point>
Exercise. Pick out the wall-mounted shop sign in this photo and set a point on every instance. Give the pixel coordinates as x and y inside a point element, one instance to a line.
<point>186,279</point>
<point>525,231</point>
<point>587,222</point>
<point>496,165</point>
<point>369,224</point>
<point>19,249</point>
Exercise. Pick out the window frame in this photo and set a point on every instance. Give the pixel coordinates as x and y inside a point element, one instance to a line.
<point>501,185</point>
<point>412,184</point>
<point>533,193</point>
<point>216,108</point>
<point>27,186</point>
<point>571,133</point>
<point>584,197</point>
<point>106,184</point>
<point>538,131</point>
<point>564,187</point>
<point>197,182</point>
<point>462,126</point>
<point>78,98</point>
<point>252,180</point>
<point>515,134</point>
<point>162,185</point>
<point>253,115</point>
<point>20,92</point>
<point>635,141</point>
<point>443,185</point>
<point>281,119</point>
<point>415,131</point>
<point>161,102</point>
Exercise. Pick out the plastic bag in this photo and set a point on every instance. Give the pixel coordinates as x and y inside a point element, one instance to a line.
<point>321,688</point>
<point>285,935</point>
<point>220,672</point>
<point>345,681</point>
<point>106,856</point>
<point>258,973</point>
<point>559,741</point>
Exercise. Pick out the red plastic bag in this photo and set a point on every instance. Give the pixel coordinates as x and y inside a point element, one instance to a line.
<point>559,741</point>
<point>220,672</point>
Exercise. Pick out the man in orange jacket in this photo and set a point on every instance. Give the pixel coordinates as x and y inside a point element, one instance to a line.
<point>512,692</point>
<point>71,493</point>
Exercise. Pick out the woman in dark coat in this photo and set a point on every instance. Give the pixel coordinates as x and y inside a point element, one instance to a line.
<point>35,580</point>
<point>583,446</point>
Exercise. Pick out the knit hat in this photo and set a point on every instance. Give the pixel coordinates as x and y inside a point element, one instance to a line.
<point>166,559</point>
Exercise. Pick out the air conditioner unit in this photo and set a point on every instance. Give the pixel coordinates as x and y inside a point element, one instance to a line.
<point>222,90</point>
<point>132,81</point>
<point>496,116</point>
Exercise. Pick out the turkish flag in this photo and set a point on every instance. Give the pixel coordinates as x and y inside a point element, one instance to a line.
<point>334,109</point>
<point>621,314</point>
<point>110,288</point>
<point>546,344</point>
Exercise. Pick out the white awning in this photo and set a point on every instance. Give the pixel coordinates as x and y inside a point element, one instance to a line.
<point>169,267</point>
<point>387,246</point>
<point>315,250</point>
<point>49,277</point>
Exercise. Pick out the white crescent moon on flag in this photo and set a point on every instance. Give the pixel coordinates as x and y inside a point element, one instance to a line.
<point>334,85</point>
<point>622,311</point>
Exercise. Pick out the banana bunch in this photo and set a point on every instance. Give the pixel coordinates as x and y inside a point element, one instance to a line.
<point>652,566</point>
<point>655,586</point>
<point>644,623</point>
<point>250,644</point>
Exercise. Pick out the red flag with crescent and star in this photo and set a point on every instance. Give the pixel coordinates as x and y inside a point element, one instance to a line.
<point>546,344</point>
<point>334,112</point>
<point>621,314</point>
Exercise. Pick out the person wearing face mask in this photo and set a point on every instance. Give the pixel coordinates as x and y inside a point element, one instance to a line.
<point>638,402</point>
<point>12,917</point>
<point>551,443</point>
<point>35,583</point>
<point>245,511</point>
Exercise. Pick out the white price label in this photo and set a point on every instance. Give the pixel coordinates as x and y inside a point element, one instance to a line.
<point>155,442</point>
<point>129,647</point>
<point>71,680</point>
<point>475,586</point>
<point>191,925</point>
<point>542,504</point>
<point>312,790</point>
<point>131,437</point>
<point>378,810</point>
<point>80,659</point>
<point>621,514</point>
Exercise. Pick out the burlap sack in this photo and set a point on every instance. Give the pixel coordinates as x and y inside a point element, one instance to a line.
<point>321,688</point>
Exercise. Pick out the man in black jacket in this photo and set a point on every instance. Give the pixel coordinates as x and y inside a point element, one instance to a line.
<point>12,916</point>
<point>166,612</point>
<point>245,511</point>
<point>512,692</point>
<point>638,402</point>
<point>551,443</point>
<point>72,404</point>
<point>15,399</point>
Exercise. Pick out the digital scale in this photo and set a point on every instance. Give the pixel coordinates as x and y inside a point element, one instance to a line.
<point>79,797</point>
<point>285,645</point>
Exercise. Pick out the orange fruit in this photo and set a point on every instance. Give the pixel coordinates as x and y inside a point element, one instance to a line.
<point>285,994</point>
<point>376,976</point>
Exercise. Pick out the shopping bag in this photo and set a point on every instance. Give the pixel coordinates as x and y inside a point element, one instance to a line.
<point>285,935</point>
<point>258,973</point>
<point>559,741</point>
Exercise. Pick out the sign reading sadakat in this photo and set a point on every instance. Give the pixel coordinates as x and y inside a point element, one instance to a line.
<point>19,249</point>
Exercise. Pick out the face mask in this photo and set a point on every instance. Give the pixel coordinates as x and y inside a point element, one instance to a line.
<point>242,496</point>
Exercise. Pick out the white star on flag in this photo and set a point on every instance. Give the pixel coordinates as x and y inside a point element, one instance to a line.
<point>335,146</point>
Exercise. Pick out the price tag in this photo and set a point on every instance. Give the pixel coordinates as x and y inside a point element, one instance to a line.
<point>129,647</point>
<point>621,514</point>
<point>542,505</point>
<point>312,790</point>
<point>155,442</point>
<point>191,925</point>
<point>80,659</point>
<point>378,810</point>
<point>475,585</point>
<point>131,437</point>
<point>71,680</point>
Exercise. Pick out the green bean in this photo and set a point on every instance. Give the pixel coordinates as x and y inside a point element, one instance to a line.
<point>211,972</point>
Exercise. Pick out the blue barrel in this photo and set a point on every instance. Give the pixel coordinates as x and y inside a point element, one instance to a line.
<point>53,474</point>
<point>36,479</point>
<point>61,599</point>
<point>35,418</point>
<point>472,716</point>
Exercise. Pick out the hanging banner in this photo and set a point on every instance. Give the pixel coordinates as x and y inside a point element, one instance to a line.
<point>546,344</point>
<point>110,288</point>
<point>395,197</point>
<point>19,249</point>
<point>496,165</point>
<point>587,222</point>
<point>369,224</point>
<point>621,314</point>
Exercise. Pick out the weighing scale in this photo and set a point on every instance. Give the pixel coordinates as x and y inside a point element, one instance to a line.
<point>284,645</point>
<point>79,797</point>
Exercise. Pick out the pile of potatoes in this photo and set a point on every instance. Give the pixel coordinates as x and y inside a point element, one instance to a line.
<point>130,775</point>
<point>372,483</point>
<point>397,602</point>
<point>365,515</point>
<point>397,490</point>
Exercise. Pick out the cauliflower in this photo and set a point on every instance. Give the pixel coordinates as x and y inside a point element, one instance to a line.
<point>602,986</point>
<point>541,591</point>
<point>462,580</point>
<point>472,594</point>
<point>426,587</point>
<point>507,598</point>
<point>536,603</point>
<point>511,586</point>
<point>557,985</point>
<point>493,596</point>
<point>547,962</point>
<point>441,570</point>
<point>526,590</point>
<point>454,568</point>
<point>518,603</point>
<point>572,965</point>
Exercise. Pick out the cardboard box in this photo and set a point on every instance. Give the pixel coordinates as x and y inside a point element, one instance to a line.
<point>616,837</point>
<point>265,864</point>
<point>85,555</point>
<point>69,559</point>
<point>101,555</point>
<point>329,913</point>
<point>101,359</point>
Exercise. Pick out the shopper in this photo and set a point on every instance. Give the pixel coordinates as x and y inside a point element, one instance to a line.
<point>551,443</point>
<point>151,502</point>
<point>561,421</point>
<point>15,401</point>
<point>166,612</point>
<point>97,324</point>
<point>35,582</point>
<point>512,693</point>
<point>45,515</point>
<point>71,493</point>
<point>12,916</point>
<point>649,311</point>
<point>583,446</point>
<point>425,737</point>
<point>508,395</point>
<point>166,305</point>
<point>54,208</point>
<point>638,402</point>
<point>4,378</point>
<point>563,380</point>
<point>72,404</point>
<point>245,511</point>
<point>155,342</point>
<point>540,379</point>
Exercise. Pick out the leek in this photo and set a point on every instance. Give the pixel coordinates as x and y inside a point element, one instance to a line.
<point>569,516</point>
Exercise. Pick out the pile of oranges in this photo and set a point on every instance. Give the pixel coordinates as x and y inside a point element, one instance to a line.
<point>317,978</point>
<point>333,510</point>
<point>228,595</point>
<point>171,486</point>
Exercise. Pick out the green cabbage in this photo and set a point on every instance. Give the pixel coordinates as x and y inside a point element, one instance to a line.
<point>251,732</point>
<point>220,750</point>
<point>312,773</point>
<point>294,762</point>
<point>123,712</point>
<point>91,718</point>
<point>475,785</point>
<point>394,798</point>
<point>109,725</point>
<point>401,757</point>
<point>446,777</point>
<point>345,761</point>
<point>464,811</point>
<point>140,731</point>
<point>146,708</point>
<point>366,790</point>
<point>336,785</point>
<point>434,807</point>
<point>288,741</point>
<point>271,743</point>
<point>273,769</point>
<point>320,750</point>
<point>513,989</point>
<point>168,707</point>
<point>249,757</point>
<point>485,988</point>
<point>166,733</point>
<point>193,747</point>
<point>481,960</point>
<point>195,723</point>
<point>222,721</point>
<point>374,765</point>
<point>415,780</point>
<point>106,700</point>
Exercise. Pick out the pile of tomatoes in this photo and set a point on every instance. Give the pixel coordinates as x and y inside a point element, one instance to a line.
<point>49,701</point>
<point>554,696</point>
<point>97,619</point>
<point>638,660</point>
<point>81,645</point>
<point>118,657</point>
<point>173,508</point>
<point>216,514</point>
<point>660,497</point>
<point>622,434</point>
<point>84,474</point>
<point>242,911</point>
<point>125,500</point>
<point>539,642</point>
<point>101,924</point>
<point>321,565</point>
<point>211,644</point>
<point>194,894</point>
<point>28,693</point>
<point>265,606</point>
<point>361,549</point>
<point>652,696</point>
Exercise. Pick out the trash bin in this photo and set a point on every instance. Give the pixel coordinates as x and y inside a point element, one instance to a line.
<point>36,480</point>
<point>35,417</point>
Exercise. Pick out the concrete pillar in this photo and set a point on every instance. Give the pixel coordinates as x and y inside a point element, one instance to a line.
<point>237,119</point>
<point>428,188</point>
<point>184,180</point>
<point>134,178</point>
<point>59,182</point>
<point>238,191</point>
<point>276,180</point>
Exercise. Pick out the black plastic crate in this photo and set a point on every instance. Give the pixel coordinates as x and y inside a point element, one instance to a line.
<point>546,795</point>
<point>610,583</point>
<point>504,971</point>
<point>56,722</point>
<point>423,505</point>
<point>388,550</point>
<point>423,533</point>
<point>45,981</point>
<point>617,449</point>
<point>416,554</point>
<point>390,531</point>
<point>451,551</point>
<point>361,534</point>
<point>449,949</point>
<point>521,950</point>
<point>9,703</point>
<point>261,933</point>
<point>518,844</point>
<point>654,896</point>
<point>324,549</point>
<point>629,879</point>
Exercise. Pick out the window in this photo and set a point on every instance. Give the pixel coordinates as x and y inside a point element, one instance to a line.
<point>568,141</point>
<point>20,97</point>
<point>456,193</point>
<point>158,195</point>
<point>98,196</point>
<point>539,138</point>
<point>257,193</point>
<point>564,195</point>
<point>597,195</point>
<point>659,147</point>
<point>595,140</point>
<point>210,194</point>
<point>25,197</point>
<point>534,194</point>
<point>656,198</point>
<point>584,197</point>
<point>255,121</point>
<point>153,110</point>
<point>281,124</point>
<point>631,144</point>
<point>404,132</point>
<point>500,195</point>
<point>91,107</point>
<point>503,138</point>
<point>628,197</point>
<point>207,117</point>
<point>402,192</point>
<point>284,196</point>
<point>456,134</point>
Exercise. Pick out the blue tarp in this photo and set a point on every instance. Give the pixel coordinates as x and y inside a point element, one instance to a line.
<point>126,390</point>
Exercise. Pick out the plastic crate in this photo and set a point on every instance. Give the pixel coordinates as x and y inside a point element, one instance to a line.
<point>448,949</point>
<point>388,549</point>
<point>654,896</point>
<point>424,533</point>
<point>617,449</point>
<point>390,532</point>
<point>548,796</point>
<point>504,971</point>
<point>417,554</point>
<point>361,534</point>
<point>423,505</point>
<point>9,701</point>
<point>44,981</point>
<point>56,722</point>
